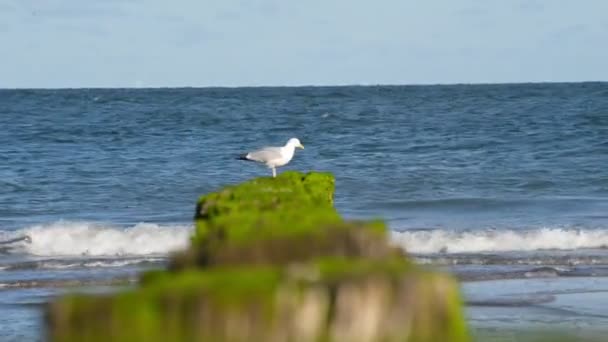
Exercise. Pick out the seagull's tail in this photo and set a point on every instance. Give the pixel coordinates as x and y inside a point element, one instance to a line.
<point>242,157</point>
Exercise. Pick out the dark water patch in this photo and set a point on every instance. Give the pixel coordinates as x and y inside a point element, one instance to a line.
<point>456,204</point>
<point>523,272</point>
<point>67,283</point>
<point>512,301</point>
<point>9,241</point>
<point>538,184</point>
<point>88,263</point>
<point>558,258</point>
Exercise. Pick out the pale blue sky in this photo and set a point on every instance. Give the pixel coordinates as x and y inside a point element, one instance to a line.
<point>126,43</point>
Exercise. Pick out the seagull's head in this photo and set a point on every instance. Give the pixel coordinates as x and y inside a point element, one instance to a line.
<point>295,142</point>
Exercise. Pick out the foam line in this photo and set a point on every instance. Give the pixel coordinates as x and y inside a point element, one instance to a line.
<point>65,238</point>
<point>446,241</point>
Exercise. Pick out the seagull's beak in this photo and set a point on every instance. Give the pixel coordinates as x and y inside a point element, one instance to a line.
<point>300,146</point>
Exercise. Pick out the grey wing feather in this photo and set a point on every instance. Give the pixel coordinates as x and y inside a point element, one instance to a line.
<point>266,154</point>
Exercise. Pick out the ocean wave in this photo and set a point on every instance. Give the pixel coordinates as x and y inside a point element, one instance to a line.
<point>502,273</point>
<point>63,283</point>
<point>67,238</point>
<point>72,263</point>
<point>92,239</point>
<point>449,241</point>
<point>514,301</point>
<point>552,258</point>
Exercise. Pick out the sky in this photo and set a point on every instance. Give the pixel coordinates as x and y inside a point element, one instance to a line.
<point>150,43</point>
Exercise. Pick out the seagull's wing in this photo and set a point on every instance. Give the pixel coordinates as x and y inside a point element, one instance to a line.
<point>265,154</point>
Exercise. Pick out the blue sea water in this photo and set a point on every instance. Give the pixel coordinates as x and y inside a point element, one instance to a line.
<point>491,181</point>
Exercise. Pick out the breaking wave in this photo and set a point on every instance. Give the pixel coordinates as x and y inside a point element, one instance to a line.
<point>81,263</point>
<point>66,238</point>
<point>482,241</point>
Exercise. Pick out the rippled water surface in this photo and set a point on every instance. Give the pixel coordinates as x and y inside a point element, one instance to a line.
<point>491,181</point>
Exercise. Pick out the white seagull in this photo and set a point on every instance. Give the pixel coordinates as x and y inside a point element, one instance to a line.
<point>274,157</point>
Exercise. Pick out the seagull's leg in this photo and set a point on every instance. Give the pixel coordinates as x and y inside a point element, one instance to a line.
<point>274,172</point>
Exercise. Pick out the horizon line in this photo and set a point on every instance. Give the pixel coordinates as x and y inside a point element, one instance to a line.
<point>306,85</point>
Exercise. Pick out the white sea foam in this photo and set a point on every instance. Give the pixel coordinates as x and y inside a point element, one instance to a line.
<point>68,238</point>
<point>67,264</point>
<point>437,241</point>
<point>91,239</point>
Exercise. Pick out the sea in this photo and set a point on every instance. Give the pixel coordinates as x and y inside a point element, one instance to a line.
<point>505,186</point>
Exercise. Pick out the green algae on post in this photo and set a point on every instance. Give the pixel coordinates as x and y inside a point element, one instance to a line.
<point>272,260</point>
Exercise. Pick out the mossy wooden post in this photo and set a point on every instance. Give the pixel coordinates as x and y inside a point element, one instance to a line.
<point>271,260</point>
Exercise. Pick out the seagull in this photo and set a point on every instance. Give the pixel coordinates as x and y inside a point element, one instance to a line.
<point>274,157</point>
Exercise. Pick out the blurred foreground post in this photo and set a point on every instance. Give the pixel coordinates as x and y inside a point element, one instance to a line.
<point>271,260</point>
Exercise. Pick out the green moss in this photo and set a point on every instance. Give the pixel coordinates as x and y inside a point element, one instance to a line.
<point>269,256</point>
<point>277,220</point>
<point>455,324</point>
<point>202,305</point>
<point>167,307</point>
<point>271,244</point>
<point>290,189</point>
<point>235,278</point>
<point>291,203</point>
<point>335,269</point>
<point>244,226</point>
